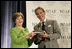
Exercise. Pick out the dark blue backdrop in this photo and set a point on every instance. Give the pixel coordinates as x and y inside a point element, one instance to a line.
<point>7,10</point>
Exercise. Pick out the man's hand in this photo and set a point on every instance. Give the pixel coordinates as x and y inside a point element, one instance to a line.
<point>39,37</point>
<point>45,35</point>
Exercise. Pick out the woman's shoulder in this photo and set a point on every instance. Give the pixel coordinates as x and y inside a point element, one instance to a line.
<point>26,28</point>
<point>17,29</point>
<point>12,29</point>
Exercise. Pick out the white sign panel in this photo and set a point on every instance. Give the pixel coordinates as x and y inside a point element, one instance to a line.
<point>59,10</point>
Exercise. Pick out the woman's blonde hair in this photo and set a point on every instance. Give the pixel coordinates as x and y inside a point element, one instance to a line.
<point>17,14</point>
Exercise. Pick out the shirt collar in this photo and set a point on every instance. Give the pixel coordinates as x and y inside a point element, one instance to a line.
<point>44,20</point>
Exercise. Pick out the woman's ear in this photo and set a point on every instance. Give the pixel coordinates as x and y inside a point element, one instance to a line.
<point>44,13</point>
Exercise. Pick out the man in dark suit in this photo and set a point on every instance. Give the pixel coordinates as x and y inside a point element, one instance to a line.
<point>50,29</point>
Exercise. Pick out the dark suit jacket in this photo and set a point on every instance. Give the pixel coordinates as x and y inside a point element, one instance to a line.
<point>53,30</point>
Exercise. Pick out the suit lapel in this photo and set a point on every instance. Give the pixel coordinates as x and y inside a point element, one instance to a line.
<point>40,27</point>
<point>48,26</point>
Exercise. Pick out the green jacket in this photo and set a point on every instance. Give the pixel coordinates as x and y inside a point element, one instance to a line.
<point>19,39</point>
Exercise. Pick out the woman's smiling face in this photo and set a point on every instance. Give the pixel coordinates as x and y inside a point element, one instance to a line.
<point>19,20</point>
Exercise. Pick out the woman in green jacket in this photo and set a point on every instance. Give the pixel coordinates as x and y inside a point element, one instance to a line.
<point>20,36</point>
